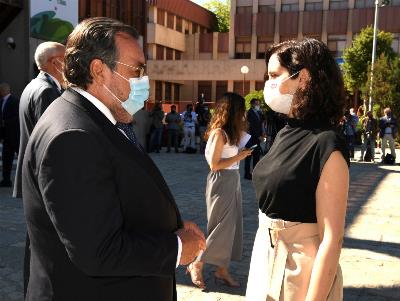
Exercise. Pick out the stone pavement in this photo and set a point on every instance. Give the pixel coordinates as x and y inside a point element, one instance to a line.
<point>370,258</point>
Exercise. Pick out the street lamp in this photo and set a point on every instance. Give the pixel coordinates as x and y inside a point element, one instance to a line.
<point>378,3</point>
<point>244,70</point>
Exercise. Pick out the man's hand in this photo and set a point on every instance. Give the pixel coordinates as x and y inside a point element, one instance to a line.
<point>193,241</point>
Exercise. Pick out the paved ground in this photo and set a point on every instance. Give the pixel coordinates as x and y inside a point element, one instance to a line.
<point>370,258</point>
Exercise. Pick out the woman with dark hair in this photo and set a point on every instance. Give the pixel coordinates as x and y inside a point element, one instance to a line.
<point>223,192</point>
<point>302,183</point>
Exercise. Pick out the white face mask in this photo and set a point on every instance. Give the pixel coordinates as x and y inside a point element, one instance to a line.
<point>277,101</point>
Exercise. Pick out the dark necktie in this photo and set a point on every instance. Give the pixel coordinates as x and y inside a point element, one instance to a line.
<point>128,130</point>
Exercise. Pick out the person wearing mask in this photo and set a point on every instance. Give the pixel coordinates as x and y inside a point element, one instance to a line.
<point>189,118</point>
<point>388,131</point>
<point>9,131</point>
<point>157,115</point>
<point>256,130</point>
<point>102,221</point>
<point>173,120</point>
<point>302,183</point>
<point>203,118</point>
<point>35,99</point>
<point>369,133</point>
<point>223,193</point>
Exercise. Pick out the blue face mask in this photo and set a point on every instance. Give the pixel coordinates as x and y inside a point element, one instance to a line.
<point>140,87</point>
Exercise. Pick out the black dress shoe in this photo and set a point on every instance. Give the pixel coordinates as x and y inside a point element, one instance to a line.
<point>248,177</point>
<point>5,183</point>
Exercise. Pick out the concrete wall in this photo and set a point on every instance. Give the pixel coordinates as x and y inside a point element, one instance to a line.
<point>14,63</point>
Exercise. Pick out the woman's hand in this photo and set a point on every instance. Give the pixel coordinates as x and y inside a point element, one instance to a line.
<point>244,153</point>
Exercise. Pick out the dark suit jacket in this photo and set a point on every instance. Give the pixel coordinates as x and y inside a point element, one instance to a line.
<point>384,122</point>
<point>100,216</point>
<point>255,121</point>
<point>9,119</point>
<point>35,99</point>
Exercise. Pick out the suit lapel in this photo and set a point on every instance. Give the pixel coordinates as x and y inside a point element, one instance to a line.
<point>117,138</point>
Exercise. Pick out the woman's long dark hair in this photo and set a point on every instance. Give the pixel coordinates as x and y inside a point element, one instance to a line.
<point>323,99</point>
<point>229,115</point>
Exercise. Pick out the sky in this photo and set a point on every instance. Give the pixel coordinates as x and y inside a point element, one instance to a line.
<point>200,2</point>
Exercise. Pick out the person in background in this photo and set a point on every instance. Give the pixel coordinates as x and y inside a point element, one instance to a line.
<point>9,131</point>
<point>302,184</point>
<point>223,191</point>
<point>141,126</point>
<point>189,118</point>
<point>35,99</point>
<point>388,131</point>
<point>203,118</point>
<point>157,115</point>
<point>369,130</point>
<point>349,128</point>
<point>173,120</point>
<point>256,130</point>
<point>355,116</point>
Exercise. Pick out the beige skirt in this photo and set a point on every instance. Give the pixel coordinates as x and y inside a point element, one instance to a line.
<point>282,261</point>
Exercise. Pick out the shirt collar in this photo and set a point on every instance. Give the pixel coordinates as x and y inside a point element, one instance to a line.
<point>6,97</point>
<point>97,103</point>
<point>55,81</point>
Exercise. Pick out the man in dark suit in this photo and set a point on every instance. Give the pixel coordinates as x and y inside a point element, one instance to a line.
<point>102,221</point>
<point>9,131</point>
<point>255,120</point>
<point>35,99</point>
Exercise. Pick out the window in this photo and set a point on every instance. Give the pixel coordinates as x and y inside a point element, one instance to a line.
<point>178,24</point>
<point>177,92</point>
<point>221,89</point>
<point>364,3</point>
<point>167,91</point>
<point>336,45</point>
<point>170,54</point>
<point>243,48</point>
<point>158,96</point>
<point>239,86</point>
<point>178,55</point>
<point>290,7</point>
<point>160,52</point>
<point>170,21</point>
<point>310,6</point>
<point>204,87</point>
<point>266,9</point>
<point>244,10</point>
<point>396,44</point>
<point>338,4</point>
<point>262,45</point>
<point>195,28</point>
<point>161,17</point>
<point>394,3</point>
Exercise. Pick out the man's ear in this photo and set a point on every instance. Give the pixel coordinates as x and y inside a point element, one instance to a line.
<point>304,78</point>
<point>97,71</point>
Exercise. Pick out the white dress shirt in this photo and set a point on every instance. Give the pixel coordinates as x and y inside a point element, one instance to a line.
<point>106,111</point>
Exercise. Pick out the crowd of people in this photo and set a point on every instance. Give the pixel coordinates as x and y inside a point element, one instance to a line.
<point>102,224</point>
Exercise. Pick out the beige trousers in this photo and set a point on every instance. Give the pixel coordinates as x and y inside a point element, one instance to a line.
<point>282,261</point>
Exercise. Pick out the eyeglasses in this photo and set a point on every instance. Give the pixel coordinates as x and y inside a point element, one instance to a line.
<point>140,69</point>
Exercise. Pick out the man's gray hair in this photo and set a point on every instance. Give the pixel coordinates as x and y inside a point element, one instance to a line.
<point>45,51</point>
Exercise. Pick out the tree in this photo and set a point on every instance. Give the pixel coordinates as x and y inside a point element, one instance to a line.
<point>359,55</point>
<point>256,95</point>
<point>222,10</point>
<point>385,86</point>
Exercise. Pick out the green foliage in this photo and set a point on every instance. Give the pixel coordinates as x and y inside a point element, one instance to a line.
<point>359,55</point>
<point>222,9</point>
<point>385,85</point>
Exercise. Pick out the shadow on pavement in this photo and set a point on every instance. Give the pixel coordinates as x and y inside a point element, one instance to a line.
<point>374,294</point>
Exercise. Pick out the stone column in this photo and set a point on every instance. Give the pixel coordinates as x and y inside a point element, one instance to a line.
<point>232,30</point>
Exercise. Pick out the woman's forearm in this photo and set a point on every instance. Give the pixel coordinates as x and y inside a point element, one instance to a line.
<point>224,163</point>
<point>324,270</point>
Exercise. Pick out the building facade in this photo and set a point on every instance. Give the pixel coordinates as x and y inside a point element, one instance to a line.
<point>212,62</point>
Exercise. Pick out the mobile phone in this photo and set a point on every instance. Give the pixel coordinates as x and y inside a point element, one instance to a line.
<point>253,147</point>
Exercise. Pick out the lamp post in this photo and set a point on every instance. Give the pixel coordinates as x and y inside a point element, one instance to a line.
<point>378,3</point>
<point>244,70</point>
